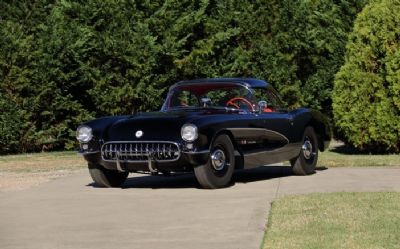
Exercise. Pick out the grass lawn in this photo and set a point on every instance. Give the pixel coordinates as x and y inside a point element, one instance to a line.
<point>334,159</point>
<point>335,220</point>
<point>18,172</point>
<point>42,162</point>
<point>340,155</point>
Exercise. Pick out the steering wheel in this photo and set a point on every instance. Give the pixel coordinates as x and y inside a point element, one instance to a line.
<point>245,101</point>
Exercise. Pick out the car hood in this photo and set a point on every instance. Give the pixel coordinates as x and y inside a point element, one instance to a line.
<point>161,126</point>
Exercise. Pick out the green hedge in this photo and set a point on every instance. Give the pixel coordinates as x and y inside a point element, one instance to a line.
<point>367,88</point>
<point>64,62</point>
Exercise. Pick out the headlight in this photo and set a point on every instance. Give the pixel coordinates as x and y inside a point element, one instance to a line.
<point>189,132</point>
<point>84,134</point>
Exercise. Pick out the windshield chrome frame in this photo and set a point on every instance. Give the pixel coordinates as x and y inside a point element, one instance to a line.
<point>165,108</point>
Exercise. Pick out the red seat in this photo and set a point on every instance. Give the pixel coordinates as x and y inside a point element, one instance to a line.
<point>267,110</point>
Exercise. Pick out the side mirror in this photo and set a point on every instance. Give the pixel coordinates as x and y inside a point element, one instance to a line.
<point>205,102</point>
<point>262,105</point>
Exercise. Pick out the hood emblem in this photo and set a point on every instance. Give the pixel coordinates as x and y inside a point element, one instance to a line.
<point>139,134</point>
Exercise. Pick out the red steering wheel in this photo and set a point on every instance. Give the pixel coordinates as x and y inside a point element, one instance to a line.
<point>245,101</point>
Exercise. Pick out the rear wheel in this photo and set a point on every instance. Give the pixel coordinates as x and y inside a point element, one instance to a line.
<point>306,162</point>
<point>106,178</point>
<point>217,172</point>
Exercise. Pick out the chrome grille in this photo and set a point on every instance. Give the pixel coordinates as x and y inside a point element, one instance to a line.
<point>142,151</point>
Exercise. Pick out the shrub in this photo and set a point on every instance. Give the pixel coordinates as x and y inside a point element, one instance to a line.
<point>366,97</point>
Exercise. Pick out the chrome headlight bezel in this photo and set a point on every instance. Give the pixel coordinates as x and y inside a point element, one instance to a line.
<point>189,132</point>
<point>84,134</point>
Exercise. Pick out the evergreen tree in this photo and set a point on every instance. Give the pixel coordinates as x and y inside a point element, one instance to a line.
<point>64,62</point>
<point>367,87</point>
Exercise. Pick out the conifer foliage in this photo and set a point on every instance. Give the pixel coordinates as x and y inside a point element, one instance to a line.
<point>65,62</point>
<point>366,97</point>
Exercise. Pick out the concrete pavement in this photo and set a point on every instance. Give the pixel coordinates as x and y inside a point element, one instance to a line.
<point>165,212</point>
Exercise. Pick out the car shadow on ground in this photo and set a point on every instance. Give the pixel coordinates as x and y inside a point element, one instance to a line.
<point>189,181</point>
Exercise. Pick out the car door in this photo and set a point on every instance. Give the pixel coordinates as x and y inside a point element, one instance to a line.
<point>279,122</point>
<point>274,124</point>
<point>274,117</point>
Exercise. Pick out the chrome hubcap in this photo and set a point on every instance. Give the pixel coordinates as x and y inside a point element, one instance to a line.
<point>307,149</point>
<point>218,159</point>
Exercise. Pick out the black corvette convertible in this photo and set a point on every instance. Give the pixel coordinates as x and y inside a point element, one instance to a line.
<point>209,126</point>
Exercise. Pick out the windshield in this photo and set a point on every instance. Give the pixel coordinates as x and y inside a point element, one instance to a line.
<point>210,95</point>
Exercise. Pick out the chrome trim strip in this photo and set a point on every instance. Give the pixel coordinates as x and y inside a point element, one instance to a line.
<point>260,129</point>
<point>197,152</point>
<point>88,152</point>
<point>139,149</point>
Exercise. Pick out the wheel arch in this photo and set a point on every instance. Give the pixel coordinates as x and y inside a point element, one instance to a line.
<point>239,159</point>
<point>321,132</point>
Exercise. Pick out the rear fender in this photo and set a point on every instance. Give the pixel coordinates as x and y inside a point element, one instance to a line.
<point>322,127</point>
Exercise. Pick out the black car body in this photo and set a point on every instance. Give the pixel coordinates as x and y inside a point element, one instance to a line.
<point>192,129</point>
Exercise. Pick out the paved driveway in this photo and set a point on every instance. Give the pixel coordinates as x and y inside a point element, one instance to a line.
<point>158,212</point>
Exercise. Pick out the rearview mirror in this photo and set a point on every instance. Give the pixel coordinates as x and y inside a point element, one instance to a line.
<point>262,105</point>
<point>205,102</point>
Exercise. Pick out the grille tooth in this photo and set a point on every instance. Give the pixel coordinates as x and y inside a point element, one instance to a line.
<point>164,150</point>
<point>126,152</point>
<point>141,151</point>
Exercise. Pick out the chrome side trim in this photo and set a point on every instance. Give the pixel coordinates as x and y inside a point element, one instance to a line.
<point>197,152</point>
<point>238,132</point>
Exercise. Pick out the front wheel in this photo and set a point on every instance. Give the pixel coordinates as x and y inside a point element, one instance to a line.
<point>306,161</point>
<point>218,170</point>
<point>106,178</point>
